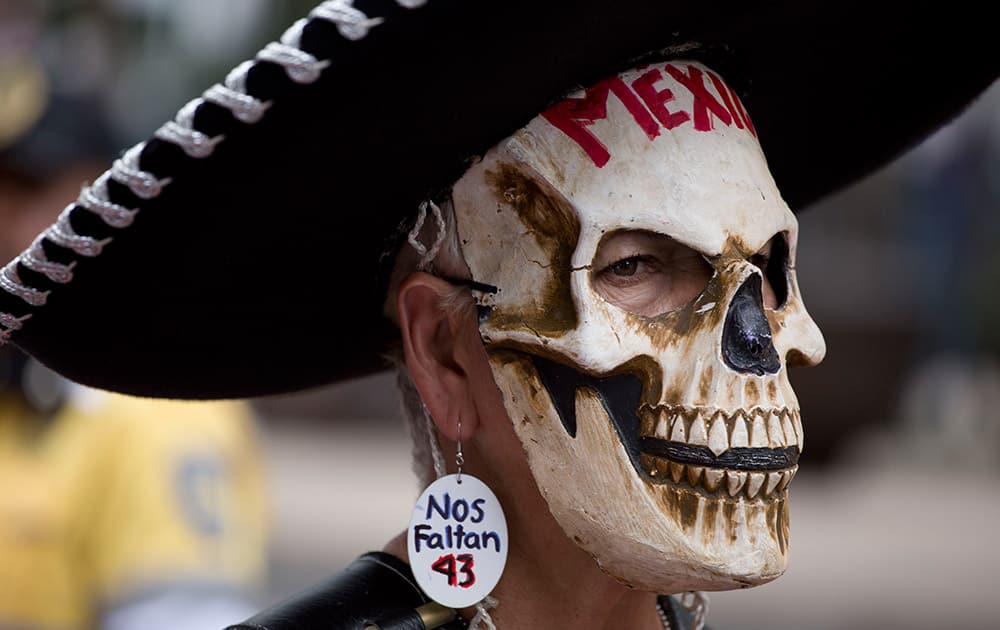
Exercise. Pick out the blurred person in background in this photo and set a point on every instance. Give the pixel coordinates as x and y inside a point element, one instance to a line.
<point>116,513</point>
<point>119,513</point>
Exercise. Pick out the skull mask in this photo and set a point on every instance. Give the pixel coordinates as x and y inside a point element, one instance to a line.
<point>662,435</point>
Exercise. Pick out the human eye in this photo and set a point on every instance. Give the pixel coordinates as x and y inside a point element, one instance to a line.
<point>630,268</point>
<point>648,274</point>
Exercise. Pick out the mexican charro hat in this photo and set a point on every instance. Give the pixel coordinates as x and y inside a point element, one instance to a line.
<point>238,251</point>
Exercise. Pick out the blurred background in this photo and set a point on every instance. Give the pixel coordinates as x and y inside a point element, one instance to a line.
<point>895,509</point>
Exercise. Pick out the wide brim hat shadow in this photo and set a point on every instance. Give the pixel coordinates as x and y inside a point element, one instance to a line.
<point>239,252</point>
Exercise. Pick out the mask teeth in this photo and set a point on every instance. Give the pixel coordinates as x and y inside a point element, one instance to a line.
<point>786,477</point>
<point>755,482</point>
<point>698,431</point>
<point>676,471</point>
<point>662,425</point>
<point>775,432</point>
<point>773,479</point>
<point>728,484</point>
<point>760,428</point>
<point>694,475</point>
<point>718,437</point>
<point>797,422</point>
<point>740,435</point>
<point>712,479</point>
<point>758,432</point>
<point>657,468</point>
<point>678,429</point>
<point>735,480</point>
<point>790,436</point>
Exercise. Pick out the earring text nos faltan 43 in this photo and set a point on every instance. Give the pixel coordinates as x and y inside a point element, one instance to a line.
<point>457,539</point>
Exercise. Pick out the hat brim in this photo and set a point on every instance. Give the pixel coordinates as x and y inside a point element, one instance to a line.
<point>257,269</point>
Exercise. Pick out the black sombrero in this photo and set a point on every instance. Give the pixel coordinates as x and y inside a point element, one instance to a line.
<point>253,263</point>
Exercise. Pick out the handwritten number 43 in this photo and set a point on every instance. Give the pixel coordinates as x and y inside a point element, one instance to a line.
<point>445,565</point>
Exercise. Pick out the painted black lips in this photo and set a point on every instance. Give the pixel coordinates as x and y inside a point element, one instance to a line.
<point>621,395</point>
<point>739,458</point>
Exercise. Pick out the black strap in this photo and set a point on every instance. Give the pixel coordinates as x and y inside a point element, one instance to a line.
<point>472,284</point>
<point>376,589</point>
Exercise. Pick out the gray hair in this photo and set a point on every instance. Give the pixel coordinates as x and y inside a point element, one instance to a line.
<point>443,257</point>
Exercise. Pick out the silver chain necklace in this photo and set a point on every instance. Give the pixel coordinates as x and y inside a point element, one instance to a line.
<point>663,616</point>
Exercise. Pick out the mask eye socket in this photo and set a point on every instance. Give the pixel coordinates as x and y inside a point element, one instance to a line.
<point>772,260</point>
<point>648,274</point>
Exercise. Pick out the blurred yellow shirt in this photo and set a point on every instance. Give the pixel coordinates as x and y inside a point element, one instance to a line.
<point>121,496</point>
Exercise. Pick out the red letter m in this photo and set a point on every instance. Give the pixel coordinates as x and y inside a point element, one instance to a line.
<point>573,115</point>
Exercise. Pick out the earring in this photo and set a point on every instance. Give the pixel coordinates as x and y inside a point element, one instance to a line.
<point>457,539</point>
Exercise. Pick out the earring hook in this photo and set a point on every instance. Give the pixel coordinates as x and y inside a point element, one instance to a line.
<point>459,457</point>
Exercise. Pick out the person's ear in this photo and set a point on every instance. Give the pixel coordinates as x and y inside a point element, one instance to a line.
<point>435,347</point>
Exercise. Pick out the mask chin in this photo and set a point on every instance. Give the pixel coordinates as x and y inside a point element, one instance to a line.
<point>654,535</point>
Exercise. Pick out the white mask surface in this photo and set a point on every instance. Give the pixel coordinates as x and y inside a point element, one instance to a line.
<point>646,313</point>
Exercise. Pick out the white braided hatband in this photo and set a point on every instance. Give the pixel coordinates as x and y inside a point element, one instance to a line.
<point>300,67</point>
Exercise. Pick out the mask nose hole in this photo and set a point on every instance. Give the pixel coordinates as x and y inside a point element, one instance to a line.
<point>746,337</point>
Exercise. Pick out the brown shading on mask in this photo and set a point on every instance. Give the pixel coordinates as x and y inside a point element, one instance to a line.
<point>772,392</point>
<point>752,392</point>
<point>669,331</point>
<point>537,407</point>
<point>777,521</point>
<point>553,223</point>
